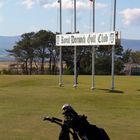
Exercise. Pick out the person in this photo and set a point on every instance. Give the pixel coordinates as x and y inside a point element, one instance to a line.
<point>78,67</point>
<point>82,129</point>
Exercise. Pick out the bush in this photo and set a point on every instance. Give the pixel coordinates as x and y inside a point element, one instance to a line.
<point>68,71</point>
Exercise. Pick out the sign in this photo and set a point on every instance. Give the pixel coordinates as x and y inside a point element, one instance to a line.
<point>106,38</point>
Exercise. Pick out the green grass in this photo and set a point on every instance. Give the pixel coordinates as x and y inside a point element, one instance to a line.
<point>25,100</point>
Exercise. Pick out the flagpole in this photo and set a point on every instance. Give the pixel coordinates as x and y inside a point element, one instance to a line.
<point>75,49</point>
<point>93,50</point>
<point>113,47</point>
<point>60,49</point>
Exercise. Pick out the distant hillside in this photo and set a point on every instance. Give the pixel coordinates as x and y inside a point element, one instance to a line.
<point>7,42</point>
<point>131,44</point>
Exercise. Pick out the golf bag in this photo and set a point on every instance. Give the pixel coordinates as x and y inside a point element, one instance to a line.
<point>77,126</point>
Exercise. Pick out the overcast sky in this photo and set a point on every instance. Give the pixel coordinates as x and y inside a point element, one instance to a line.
<point>21,16</point>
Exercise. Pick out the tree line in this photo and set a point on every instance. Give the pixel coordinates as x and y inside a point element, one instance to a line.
<point>36,53</point>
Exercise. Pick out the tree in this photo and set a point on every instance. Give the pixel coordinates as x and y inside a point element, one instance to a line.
<point>44,43</point>
<point>126,57</point>
<point>35,48</point>
<point>83,59</point>
<point>130,56</point>
<point>135,57</point>
<point>104,59</point>
<point>23,52</point>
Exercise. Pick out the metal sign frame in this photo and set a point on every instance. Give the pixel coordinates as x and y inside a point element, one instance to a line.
<point>93,45</point>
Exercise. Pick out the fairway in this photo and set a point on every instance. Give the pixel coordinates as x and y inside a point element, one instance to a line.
<point>25,100</point>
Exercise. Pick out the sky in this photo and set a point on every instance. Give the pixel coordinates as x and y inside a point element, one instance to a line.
<point>22,16</point>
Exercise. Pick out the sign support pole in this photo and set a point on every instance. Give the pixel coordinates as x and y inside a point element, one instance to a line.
<point>113,47</point>
<point>60,49</point>
<point>93,50</point>
<point>75,49</point>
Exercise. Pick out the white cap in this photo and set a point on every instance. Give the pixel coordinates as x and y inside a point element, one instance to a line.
<point>66,106</point>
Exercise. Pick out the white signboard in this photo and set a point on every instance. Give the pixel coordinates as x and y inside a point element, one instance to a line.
<point>106,38</point>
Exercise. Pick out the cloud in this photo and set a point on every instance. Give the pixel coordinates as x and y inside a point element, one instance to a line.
<point>101,5</point>
<point>28,3</point>
<point>67,4</point>
<point>50,5</point>
<point>42,2</point>
<point>131,16</point>
<point>1,4</point>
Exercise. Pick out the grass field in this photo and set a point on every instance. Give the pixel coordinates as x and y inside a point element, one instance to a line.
<point>25,100</point>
